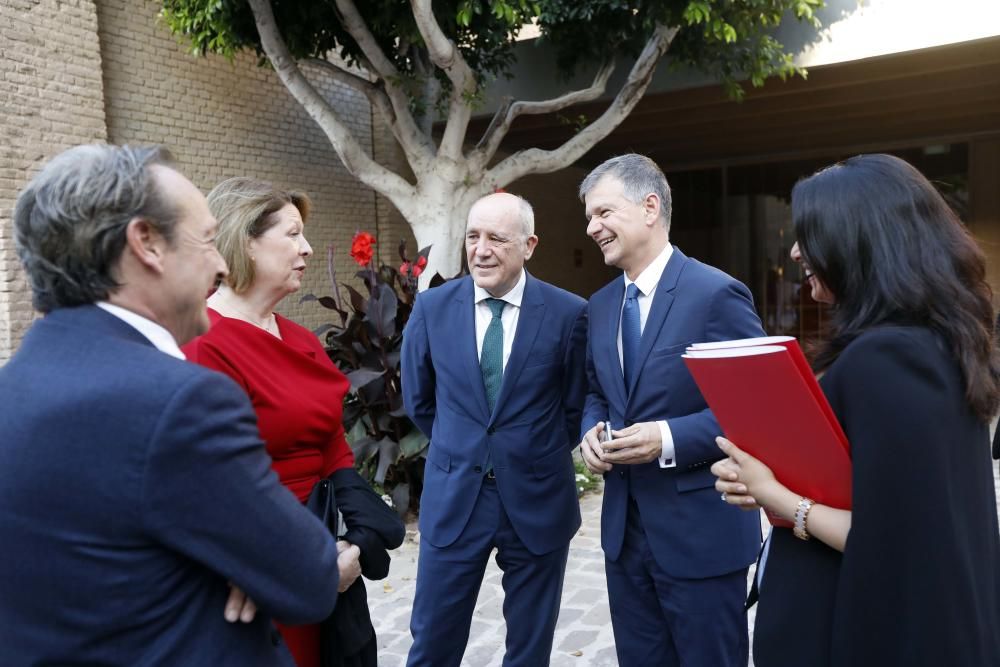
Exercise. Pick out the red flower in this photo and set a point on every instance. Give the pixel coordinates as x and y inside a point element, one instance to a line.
<point>404,269</point>
<point>418,266</point>
<point>361,248</point>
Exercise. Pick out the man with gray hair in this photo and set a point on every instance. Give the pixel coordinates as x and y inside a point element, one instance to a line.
<point>676,557</point>
<point>136,492</point>
<point>493,375</point>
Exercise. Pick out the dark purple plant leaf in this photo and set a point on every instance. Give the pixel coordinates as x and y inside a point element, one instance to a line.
<point>400,495</point>
<point>358,302</point>
<point>362,377</point>
<point>425,252</point>
<point>364,448</point>
<point>413,444</point>
<point>308,297</point>
<point>402,250</point>
<point>437,280</point>
<point>369,276</point>
<point>388,453</point>
<point>322,329</point>
<point>329,302</point>
<point>382,313</point>
<point>399,412</point>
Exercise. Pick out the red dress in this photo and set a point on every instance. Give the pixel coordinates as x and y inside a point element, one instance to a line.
<point>298,396</point>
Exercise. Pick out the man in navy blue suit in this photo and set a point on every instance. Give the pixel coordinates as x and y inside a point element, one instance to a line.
<point>493,374</point>
<point>676,557</point>
<point>138,500</point>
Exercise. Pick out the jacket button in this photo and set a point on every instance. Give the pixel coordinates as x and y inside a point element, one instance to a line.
<point>490,431</point>
<point>477,469</point>
<point>275,638</point>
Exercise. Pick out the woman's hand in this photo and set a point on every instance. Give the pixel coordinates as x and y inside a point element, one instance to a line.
<point>733,491</point>
<point>744,481</point>
<point>349,564</point>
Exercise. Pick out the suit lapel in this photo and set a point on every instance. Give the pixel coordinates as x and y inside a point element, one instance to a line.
<point>467,349</point>
<point>529,321</point>
<point>662,301</point>
<point>612,320</point>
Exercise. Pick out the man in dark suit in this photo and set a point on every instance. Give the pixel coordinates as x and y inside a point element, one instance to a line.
<point>676,557</point>
<point>138,500</point>
<point>493,375</point>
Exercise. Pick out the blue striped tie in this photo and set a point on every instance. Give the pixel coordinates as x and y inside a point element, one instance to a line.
<point>631,333</point>
<point>491,360</point>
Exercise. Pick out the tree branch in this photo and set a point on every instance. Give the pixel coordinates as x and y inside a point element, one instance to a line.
<point>416,144</point>
<point>357,161</point>
<point>430,87</point>
<point>509,110</point>
<point>358,83</point>
<point>535,160</point>
<point>446,56</point>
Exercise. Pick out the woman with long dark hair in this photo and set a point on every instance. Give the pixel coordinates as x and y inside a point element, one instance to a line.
<point>911,574</point>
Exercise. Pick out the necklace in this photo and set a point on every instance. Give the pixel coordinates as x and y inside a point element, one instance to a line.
<point>270,324</point>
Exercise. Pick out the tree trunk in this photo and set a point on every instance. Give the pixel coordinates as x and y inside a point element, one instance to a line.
<point>437,215</point>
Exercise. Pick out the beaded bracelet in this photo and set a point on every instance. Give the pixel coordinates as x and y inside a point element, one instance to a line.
<point>801,514</point>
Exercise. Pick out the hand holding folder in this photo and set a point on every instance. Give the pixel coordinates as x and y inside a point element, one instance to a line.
<point>768,402</point>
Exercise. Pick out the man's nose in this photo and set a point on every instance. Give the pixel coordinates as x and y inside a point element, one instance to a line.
<point>593,226</point>
<point>222,270</point>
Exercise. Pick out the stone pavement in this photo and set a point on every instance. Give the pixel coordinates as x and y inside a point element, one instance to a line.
<point>583,635</point>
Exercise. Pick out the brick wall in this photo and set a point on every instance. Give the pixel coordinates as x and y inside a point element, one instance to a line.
<point>52,98</point>
<point>223,119</point>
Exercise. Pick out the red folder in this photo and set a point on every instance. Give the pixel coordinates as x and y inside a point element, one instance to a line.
<point>768,402</point>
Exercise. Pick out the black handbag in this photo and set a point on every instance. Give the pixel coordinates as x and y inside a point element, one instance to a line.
<point>323,504</point>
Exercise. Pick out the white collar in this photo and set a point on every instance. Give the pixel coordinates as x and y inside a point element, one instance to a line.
<point>513,297</point>
<point>650,277</point>
<point>156,334</point>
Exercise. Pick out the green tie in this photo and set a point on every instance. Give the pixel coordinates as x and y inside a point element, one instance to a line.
<point>491,360</point>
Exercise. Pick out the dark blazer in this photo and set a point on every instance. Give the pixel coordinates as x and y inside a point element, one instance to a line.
<point>134,487</point>
<point>919,580</point>
<point>691,532</point>
<point>530,435</point>
<point>348,634</point>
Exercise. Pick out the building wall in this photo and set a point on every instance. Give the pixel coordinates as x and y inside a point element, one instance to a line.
<point>565,255</point>
<point>984,205</point>
<point>52,97</point>
<point>222,119</point>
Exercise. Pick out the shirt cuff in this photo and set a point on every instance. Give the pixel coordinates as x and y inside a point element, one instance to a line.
<point>667,459</point>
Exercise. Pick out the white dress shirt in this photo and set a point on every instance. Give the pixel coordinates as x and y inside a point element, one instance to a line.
<point>157,335</point>
<point>508,318</point>
<point>646,282</point>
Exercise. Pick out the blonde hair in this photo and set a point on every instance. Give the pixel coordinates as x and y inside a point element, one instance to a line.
<point>245,209</point>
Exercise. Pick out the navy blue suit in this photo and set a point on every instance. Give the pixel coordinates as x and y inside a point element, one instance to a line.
<point>134,486</point>
<point>530,512</point>
<point>670,520</point>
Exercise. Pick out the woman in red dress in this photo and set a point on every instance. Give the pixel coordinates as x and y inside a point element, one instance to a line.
<point>296,390</point>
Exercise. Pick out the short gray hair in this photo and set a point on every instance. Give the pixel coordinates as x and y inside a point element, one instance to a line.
<point>639,177</point>
<point>527,215</point>
<point>70,220</point>
<point>523,210</point>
